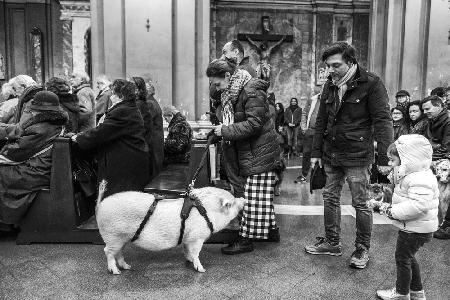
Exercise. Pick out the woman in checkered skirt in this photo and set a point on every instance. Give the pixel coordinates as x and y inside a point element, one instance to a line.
<point>247,122</point>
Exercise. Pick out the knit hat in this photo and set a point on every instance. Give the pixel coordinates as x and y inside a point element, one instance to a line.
<point>57,85</point>
<point>46,101</point>
<point>402,93</point>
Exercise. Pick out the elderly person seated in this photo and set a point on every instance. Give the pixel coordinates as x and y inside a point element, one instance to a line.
<point>86,100</point>
<point>68,101</point>
<point>102,101</point>
<point>25,162</point>
<point>122,153</point>
<point>8,109</point>
<point>177,145</point>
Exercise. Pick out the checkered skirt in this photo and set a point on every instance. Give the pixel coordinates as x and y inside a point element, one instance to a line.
<point>258,214</point>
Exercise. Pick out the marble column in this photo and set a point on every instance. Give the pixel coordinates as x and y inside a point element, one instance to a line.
<point>377,41</point>
<point>203,12</point>
<point>76,19</point>
<point>67,47</point>
<point>394,47</point>
<point>415,52</point>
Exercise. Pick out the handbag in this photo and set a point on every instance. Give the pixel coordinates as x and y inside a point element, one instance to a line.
<point>318,178</point>
<point>84,172</point>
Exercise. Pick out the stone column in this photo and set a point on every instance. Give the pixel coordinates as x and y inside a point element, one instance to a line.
<point>67,46</point>
<point>395,47</point>
<point>377,41</point>
<point>184,56</point>
<point>415,52</point>
<point>203,12</point>
<point>76,21</point>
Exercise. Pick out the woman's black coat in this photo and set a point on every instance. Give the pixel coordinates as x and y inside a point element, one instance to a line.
<point>121,148</point>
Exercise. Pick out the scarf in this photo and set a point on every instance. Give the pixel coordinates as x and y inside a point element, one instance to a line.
<point>231,93</point>
<point>342,83</point>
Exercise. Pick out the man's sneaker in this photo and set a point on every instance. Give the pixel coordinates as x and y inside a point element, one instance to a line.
<point>360,257</point>
<point>442,233</point>
<point>324,247</point>
<point>391,295</point>
<point>417,295</point>
<point>300,179</point>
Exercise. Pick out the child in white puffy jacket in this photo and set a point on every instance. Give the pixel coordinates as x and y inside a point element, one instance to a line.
<point>413,210</point>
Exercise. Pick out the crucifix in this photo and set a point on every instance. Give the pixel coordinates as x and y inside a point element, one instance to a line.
<point>263,49</point>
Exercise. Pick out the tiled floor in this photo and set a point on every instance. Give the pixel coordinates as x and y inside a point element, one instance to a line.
<point>272,271</point>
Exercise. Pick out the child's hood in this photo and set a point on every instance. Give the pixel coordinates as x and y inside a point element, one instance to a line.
<point>415,153</point>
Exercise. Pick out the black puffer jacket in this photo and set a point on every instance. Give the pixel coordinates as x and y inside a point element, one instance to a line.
<point>253,130</point>
<point>345,131</point>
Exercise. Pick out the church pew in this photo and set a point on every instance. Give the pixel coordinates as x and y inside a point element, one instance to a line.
<point>57,212</point>
<point>60,214</point>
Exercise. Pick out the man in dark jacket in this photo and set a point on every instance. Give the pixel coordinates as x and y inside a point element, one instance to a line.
<point>354,110</point>
<point>439,136</point>
<point>438,126</point>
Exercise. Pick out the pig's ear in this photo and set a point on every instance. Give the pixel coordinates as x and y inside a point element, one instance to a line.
<point>226,202</point>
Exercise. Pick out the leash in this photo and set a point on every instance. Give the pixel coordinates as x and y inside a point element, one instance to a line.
<point>200,166</point>
<point>190,201</point>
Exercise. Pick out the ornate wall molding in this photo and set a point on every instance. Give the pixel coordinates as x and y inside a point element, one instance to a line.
<point>71,9</point>
<point>325,6</point>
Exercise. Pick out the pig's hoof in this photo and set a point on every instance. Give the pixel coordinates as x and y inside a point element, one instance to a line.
<point>114,271</point>
<point>200,268</point>
<point>125,266</point>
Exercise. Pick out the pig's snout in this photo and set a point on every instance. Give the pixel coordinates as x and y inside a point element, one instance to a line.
<point>240,203</point>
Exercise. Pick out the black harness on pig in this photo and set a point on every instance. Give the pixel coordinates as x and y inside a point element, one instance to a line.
<point>190,201</point>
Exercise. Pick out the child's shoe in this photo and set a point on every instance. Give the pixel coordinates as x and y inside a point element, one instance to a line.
<point>417,295</point>
<point>391,295</point>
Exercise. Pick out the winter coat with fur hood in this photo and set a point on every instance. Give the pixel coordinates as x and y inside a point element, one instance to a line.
<point>31,162</point>
<point>253,130</point>
<point>416,194</point>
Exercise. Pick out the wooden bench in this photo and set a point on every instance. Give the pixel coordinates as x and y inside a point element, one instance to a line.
<point>59,214</point>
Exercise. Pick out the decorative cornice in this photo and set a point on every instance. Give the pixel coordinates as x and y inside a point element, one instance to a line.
<point>325,6</point>
<point>75,9</point>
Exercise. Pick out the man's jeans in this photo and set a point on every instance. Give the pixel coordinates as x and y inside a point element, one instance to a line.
<point>408,271</point>
<point>358,180</point>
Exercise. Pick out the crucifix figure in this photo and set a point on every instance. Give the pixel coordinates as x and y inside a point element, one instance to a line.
<point>264,50</point>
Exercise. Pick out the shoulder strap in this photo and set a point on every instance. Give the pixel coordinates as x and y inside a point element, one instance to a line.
<point>185,212</point>
<point>147,216</point>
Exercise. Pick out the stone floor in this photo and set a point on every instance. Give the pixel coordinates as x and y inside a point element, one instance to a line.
<point>272,271</point>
